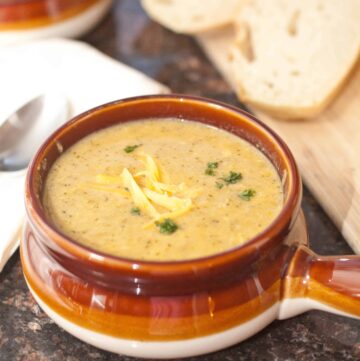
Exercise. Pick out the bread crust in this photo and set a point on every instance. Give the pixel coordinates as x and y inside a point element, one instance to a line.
<point>276,101</point>
<point>299,113</point>
<point>193,27</point>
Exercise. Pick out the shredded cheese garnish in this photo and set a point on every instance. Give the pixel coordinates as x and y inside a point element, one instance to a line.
<point>138,195</point>
<point>149,188</point>
<point>171,203</point>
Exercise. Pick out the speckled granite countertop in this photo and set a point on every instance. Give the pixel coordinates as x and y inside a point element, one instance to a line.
<point>27,334</point>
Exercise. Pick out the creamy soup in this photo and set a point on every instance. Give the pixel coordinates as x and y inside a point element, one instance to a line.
<point>162,189</point>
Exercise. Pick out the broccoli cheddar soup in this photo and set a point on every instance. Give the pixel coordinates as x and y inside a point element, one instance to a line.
<point>162,189</point>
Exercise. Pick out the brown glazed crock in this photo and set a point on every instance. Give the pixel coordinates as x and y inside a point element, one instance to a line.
<point>184,308</point>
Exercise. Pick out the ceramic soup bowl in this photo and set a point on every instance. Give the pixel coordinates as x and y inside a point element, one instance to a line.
<point>183,308</point>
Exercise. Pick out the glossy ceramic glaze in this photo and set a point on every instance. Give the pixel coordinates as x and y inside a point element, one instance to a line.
<point>177,309</point>
<point>31,19</point>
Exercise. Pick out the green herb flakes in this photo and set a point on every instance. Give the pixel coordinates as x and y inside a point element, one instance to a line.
<point>219,185</point>
<point>135,211</point>
<point>131,148</point>
<point>247,194</point>
<point>213,165</point>
<point>167,226</point>
<point>210,169</point>
<point>232,178</point>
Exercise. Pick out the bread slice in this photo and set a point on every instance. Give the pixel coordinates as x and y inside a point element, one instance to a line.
<point>290,58</point>
<point>192,16</point>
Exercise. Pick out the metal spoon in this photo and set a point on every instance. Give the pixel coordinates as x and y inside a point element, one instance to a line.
<point>24,131</point>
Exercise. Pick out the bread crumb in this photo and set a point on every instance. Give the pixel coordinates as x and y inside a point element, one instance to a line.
<point>293,23</point>
<point>243,41</point>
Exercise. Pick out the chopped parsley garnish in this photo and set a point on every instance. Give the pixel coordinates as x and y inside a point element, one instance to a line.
<point>210,168</point>
<point>219,185</point>
<point>131,148</point>
<point>247,194</point>
<point>167,226</point>
<point>213,165</point>
<point>135,211</point>
<point>232,178</point>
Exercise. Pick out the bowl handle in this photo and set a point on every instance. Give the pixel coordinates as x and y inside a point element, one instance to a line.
<point>328,283</point>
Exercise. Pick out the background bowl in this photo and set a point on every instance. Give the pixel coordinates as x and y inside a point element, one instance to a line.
<point>33,19</point>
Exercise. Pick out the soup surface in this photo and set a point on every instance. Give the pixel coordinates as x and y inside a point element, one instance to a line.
<point>162,189</point>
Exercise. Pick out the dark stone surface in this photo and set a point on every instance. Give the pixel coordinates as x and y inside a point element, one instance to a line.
<point>27,334</point>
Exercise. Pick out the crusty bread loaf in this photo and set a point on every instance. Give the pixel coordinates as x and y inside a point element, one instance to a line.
<point>192,16</point>
<point>290,57</point>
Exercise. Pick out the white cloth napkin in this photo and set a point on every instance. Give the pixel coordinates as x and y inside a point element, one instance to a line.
<point>84,75</point>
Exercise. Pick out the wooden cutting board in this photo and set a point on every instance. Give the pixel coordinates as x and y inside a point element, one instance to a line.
<point>327,147</point>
